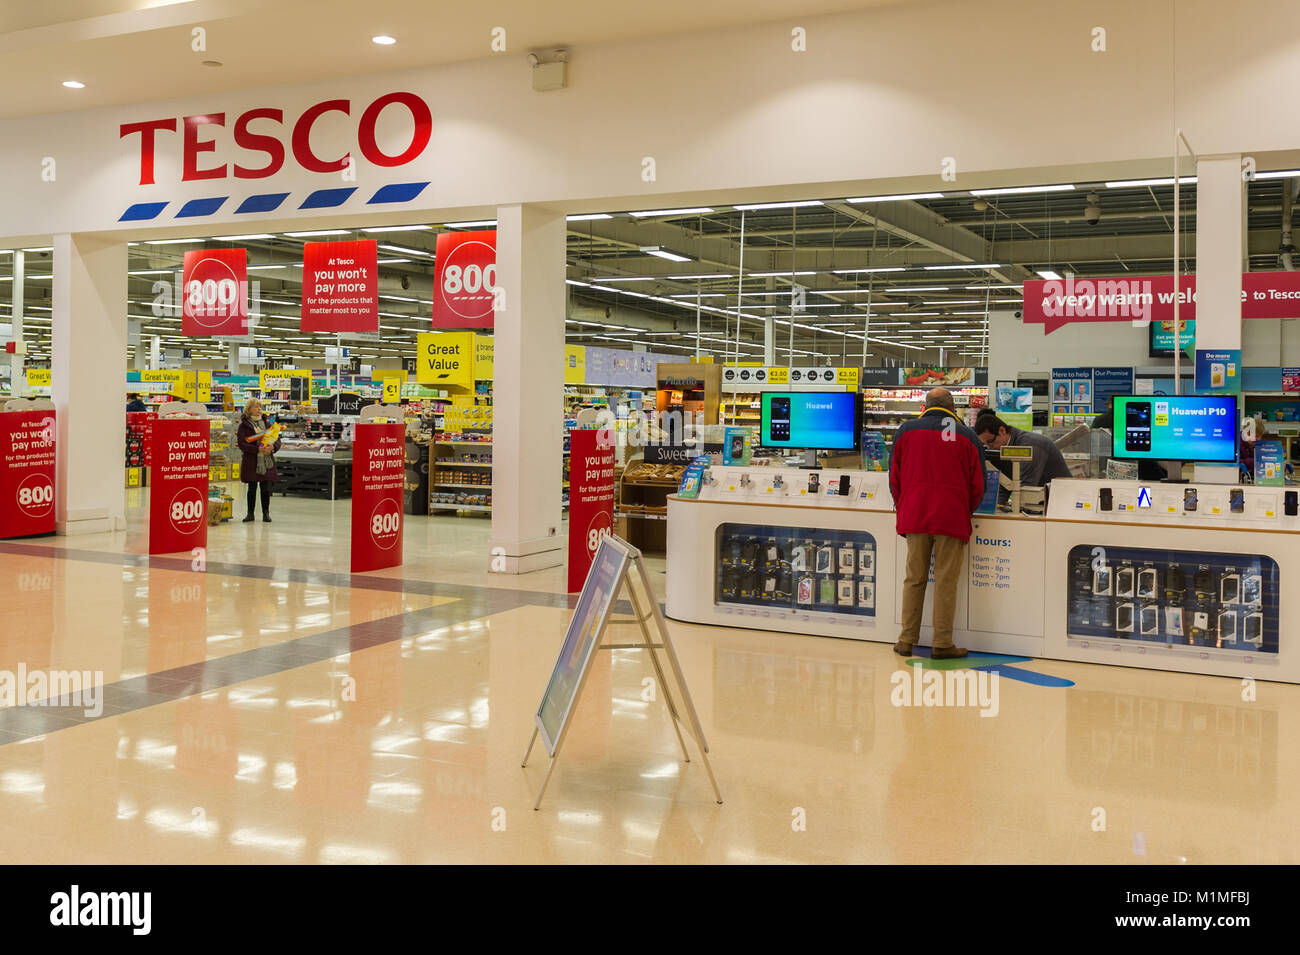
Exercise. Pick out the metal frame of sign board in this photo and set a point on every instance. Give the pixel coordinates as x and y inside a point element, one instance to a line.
<point>627,557</point>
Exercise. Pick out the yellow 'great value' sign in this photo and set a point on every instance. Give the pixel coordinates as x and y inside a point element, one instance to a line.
<point>445,358</point>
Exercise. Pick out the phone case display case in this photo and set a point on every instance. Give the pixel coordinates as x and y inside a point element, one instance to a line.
<point>1180,598</point>
<point>796,568</point>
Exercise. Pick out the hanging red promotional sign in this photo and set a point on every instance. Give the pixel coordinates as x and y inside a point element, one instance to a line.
<point>464,280</point>
<point>1056,303</point>
<point>178,485</point>
<point>27,473</point>
<point>340,286</point>
<point>591,499</point>
<point>214,293</point>
<point>378,478</point>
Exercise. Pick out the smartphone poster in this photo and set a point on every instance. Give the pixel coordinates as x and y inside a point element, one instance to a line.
<point>1176,428</point>
<point>1218,372</point>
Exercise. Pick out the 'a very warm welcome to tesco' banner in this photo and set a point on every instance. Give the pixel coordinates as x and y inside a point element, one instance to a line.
<point>178,485</point>
<point>214,289</point>
<point>26,473</point>
<point>1059,302</point>
<point>464,280</point>
<point>340,288</point>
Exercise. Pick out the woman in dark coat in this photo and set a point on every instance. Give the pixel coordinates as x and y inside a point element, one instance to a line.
<point>257,469</point>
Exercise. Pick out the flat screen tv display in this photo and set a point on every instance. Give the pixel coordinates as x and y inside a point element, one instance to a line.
<point>1201,428</point>
<point>1161,337</point>
<point>821,420</point>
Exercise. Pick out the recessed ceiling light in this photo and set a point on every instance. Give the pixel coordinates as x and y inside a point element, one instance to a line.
<point>383,39</point>
<point>1049,275</point>
<point>212,63</point>
<point>74,84</point>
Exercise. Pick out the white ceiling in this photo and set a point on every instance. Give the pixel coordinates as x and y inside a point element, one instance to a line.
<point>128,51</point>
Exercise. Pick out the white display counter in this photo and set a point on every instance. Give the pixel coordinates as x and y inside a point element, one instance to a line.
<point>1150,586</point>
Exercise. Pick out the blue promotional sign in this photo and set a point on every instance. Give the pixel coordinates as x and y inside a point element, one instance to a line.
<point>1270,464</point>
<point>1218,372</point>
<point>1107,383</point>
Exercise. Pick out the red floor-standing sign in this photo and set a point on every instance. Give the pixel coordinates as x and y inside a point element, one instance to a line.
<point>591,499</point>
<point>178,479</point>
<point>27,473</point>
<point>378,477</point>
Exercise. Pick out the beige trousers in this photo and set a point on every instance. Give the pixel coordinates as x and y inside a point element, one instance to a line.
<point>948,555</point>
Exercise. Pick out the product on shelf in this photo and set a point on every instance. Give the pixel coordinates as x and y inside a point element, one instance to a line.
<point>1225,602</point>
<point>831,571</point>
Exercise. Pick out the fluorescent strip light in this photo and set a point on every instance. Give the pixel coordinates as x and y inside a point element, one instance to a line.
<point>241,238</point>
<point>959,301</point>
<point>878,268</point>
<point>981,288</point>
<point>698,295</point>
<point>255,268</point>
<point>625,278</point>
<point>576,282</point>
<point>966,265</point>
<point>48,248</point>
<point>390,261</point>
<point>664,254</point>
<point>1022,190</point>
<point>1278,174</point>
<point>587,217</point>
<point>394,298</point>
<point>687,278</point>
<point>470,225</point>
<point>404,250</point>
<point>152,271</point>
<point>779,205</point>
<point>171,241</point>
<point>910,195</point>
<point>398,228</point>
<point>1134,183</point>
<point>308,235</point>
<point>770,274</point>
<point>1049,275</point>
<point>696,210</point>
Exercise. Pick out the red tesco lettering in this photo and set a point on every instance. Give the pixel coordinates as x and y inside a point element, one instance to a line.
<point>267,142</point>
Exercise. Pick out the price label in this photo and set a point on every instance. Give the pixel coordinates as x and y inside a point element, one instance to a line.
<point>778,376</point>
<point>392,391</point>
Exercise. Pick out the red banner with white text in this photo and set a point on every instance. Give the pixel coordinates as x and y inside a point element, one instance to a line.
<point>591,499</point>
<point>1055,303</point>
<point>378,479</point>
<point>27,473</point>
<point>214,292</point>
<point>178,485</point>
<point>340,287</point>
<point>464,280</point>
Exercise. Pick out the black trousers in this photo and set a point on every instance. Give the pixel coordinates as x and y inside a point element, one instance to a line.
<point>266,496</point>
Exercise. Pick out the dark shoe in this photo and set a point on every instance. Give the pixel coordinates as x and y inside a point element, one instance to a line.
<point>266,517</point>
<point>947,653</point>
<point>249,518</point>
<point>903,649</point>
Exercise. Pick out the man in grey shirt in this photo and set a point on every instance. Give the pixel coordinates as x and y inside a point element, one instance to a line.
<point>1047,462</point>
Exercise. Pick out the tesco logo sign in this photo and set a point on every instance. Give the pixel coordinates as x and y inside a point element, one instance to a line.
<point>262,130</point>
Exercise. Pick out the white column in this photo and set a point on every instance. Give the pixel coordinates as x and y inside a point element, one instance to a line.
<point>89,381</point>
<point>769,339</point>
<point>1220,192</point>
<point>232,355</point>
<point>1219,257</point>
<point>527,427</point>
<point>18,377</point>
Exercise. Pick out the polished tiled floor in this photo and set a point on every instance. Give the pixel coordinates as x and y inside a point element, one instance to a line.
<point>276,709</point>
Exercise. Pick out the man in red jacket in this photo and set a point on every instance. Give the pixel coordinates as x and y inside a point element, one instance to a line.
<point>937,478</point>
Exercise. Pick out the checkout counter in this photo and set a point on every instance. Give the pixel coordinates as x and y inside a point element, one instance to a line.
<point>1184,577</point>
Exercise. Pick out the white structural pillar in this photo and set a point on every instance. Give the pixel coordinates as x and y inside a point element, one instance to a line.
<point>232,356</point>
<point>18,376</point>
<point>527,427</point>
<point>1220,232</point>
<point>89,380</point>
